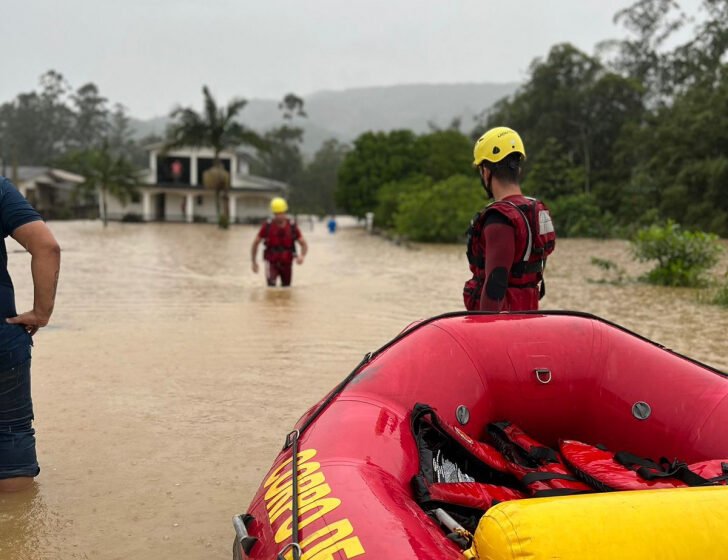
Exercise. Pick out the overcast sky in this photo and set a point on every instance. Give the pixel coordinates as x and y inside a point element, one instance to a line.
<point>152,54</point>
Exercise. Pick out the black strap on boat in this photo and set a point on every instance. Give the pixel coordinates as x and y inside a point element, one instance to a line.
<point>294,546</point>
<point>539,476</point>
<point>552,492</point>
<point>650,470</point>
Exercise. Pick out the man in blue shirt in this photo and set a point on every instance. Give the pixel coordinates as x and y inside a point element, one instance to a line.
<point>18,463</point>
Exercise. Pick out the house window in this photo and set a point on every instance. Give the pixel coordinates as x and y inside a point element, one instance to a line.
<point>173,170</point>
<point>200,199</point>
<point>136,197</point>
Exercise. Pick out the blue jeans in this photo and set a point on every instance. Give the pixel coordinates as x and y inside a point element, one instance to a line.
<point>17,437</point>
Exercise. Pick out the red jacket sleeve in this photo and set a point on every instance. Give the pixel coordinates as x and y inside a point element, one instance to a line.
<point>500,249</point>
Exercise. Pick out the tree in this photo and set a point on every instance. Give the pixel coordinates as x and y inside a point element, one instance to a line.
<point>119,131</point>
<point>444,153</point>
<point>216,128</point>
<point>92,116</point>
<point>104,173</point>
<point>377,158</point>
<point>314,189</point>
<point>282,159</point>
<point>572,97</point>
<point>441,211</point>
<point>34,128</point>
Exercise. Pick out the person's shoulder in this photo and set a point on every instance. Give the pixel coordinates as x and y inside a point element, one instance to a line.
<point>498,212</point>
<point>5,185</point>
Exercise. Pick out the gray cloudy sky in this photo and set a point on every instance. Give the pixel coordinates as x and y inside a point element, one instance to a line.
<point>152,54</point>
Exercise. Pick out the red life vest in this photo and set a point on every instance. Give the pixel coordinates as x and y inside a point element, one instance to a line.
<point>526,468</point>
<point>538,467</point>
<point>535,241</point>
<point>607,471</point>
<point>280,241</point>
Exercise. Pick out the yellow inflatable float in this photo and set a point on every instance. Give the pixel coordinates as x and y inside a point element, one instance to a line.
<point>679,524</point>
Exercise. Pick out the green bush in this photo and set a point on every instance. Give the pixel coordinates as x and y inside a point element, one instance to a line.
<point>390,195</point>
<point>440,212</point>
<point>579,215</point>
<point>721,294</point>
<point>612,272</point>
<point>683,257</point>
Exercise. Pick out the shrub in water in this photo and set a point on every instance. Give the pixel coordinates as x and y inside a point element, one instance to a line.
<point>683,257</point>
<point>721,294</point>
<point>441,212</point>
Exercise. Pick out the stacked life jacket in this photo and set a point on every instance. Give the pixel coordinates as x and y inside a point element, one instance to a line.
<point>280,241</point>
<point>522,468</point>
<point>535,241</point>
<point>606,471</point>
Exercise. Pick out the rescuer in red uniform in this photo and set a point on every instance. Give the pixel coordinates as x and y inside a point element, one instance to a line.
<point>509,240</point>
<point>280,235</point>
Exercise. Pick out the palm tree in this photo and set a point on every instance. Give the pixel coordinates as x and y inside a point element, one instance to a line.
<point>217,128</point>
<point>107,173</point>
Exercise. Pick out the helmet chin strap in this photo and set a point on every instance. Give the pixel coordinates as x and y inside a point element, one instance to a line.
<point>485,184</point>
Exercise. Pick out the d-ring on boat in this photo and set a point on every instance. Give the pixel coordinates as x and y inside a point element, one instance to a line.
<point>406,457</point>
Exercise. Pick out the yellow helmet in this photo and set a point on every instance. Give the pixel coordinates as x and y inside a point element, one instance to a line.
<point>278,205</point>
<point>496,144</point>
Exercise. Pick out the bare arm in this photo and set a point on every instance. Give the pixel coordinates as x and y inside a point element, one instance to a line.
<point>254,252</point>
<point>304,249</point>
<point>45,266</point>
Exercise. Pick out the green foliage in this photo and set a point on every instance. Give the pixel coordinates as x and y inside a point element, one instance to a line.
<point>440,212</point>
<point>282,159</point>
<point>613,273</point>
<point>720,297</point>
<point>391,195</point>
<point>443,153</point>
<point>683,257</point>
<point>313,190</point>
<point>104,172</point>
<point>579,215</point>
<point>223,221</point>
<point>553,172</point>
<point>377,158</point>
<point>572,97</point>
<point>215,127</point>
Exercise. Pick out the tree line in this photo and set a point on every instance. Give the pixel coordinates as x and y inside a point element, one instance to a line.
<point>80,130</point>
<point>631,135</point>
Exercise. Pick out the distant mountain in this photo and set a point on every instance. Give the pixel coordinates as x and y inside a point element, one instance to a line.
<point>346,114</point>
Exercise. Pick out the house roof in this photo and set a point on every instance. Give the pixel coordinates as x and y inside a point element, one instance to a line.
<point>38,173</point>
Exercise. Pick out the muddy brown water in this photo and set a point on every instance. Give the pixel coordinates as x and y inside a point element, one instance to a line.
<point>166,383</point>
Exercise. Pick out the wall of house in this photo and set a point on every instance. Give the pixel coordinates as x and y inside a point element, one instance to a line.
<point>252,207</point>
<point>117,211</point>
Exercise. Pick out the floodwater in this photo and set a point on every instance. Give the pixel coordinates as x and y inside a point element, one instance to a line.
<point>170,375</point>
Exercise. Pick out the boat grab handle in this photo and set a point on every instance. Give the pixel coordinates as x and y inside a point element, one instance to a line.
<point>244,540</point>
<point>543,375</point>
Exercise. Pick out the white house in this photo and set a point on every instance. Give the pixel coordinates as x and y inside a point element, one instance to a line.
<point>53,192</point>
<point>171,189</point>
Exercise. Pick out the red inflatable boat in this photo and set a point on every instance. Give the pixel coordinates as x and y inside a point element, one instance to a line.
<point>556,375</point>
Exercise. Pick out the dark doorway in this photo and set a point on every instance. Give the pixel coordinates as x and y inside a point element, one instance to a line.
<point>160,202</point>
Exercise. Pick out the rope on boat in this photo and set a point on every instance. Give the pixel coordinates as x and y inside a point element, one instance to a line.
<point>294,546</point>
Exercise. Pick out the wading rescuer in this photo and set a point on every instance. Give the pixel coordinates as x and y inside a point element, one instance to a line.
<point>280,235</point>
<point>509,240</point>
